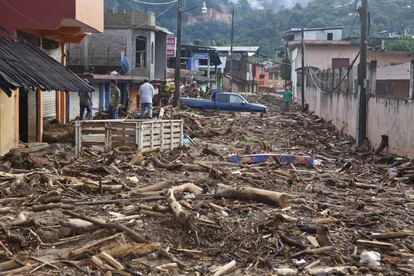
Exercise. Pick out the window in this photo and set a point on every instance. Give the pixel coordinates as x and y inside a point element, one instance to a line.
<point>223,98</point>
<point>339,63</point>
<point>330,36</point>
<point>140,51</point>
<point>236,99</point>
<point>152,53</point>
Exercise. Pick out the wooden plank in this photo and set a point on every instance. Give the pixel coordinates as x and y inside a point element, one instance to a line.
<point>158,138</point>
<point>181,134</point>
<point>93,143</point>
<point>175,143</point>
<point>162,133</point>
<point>126,141</point>
<point>152,135</point>
<point>78,140</point>
<point>141,137</point>
<point>93,131</point>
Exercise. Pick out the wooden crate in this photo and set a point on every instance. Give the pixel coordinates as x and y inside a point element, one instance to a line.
<point>143,134</point>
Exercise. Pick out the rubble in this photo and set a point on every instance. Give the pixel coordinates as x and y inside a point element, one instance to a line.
<point>191,212</point>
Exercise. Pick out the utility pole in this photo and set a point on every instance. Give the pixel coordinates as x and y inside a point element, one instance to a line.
<point>303,69</point>
<point>231,50</point>
<point>362,75</point>
<point>177,73</point>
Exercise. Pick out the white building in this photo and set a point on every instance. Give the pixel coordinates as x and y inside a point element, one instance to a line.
<point>334,33</point>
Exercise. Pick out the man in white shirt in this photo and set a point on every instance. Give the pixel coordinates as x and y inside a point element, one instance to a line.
<point>146,93</point>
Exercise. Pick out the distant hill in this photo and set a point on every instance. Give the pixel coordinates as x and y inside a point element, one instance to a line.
<point>262,22</point>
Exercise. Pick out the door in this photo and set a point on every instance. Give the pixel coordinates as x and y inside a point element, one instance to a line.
<point>237,103</point>
<point>23,115</point>
<point>222,102</point>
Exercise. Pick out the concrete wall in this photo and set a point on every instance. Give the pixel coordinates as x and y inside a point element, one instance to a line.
<point>386,116</point>
<point>160,55</point>
<point>392,117</point>
<point>9,122</point>
<point>320,57</point>
<point>125,19</point>
<point>103,52</point>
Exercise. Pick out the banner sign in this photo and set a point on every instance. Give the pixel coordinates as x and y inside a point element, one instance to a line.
<point>171,47</point>
<point>199,56</point>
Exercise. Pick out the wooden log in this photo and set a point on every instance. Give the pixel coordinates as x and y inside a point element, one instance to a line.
<point>335,270</point>
<point>98,262</point>
<point>170,167</point>
<point>11,264</point>
<point>248,193</point>
<point>77,253</point>
<point>292,242</point>
<point>392,235</point>
<point>314,251</point>
<point>138,249</point>
<point>225,269</point>
<point>151,188</point>
<point>111,261</point>
<point>175,206</point>
<point>321,221</point>
<point>377,244</point>
<point>121,228</point>
<point>44,207</point>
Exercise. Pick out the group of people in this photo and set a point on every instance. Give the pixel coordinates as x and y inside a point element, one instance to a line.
<point>146,94</point>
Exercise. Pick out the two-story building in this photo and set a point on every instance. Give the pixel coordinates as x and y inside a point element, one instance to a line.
<point>131,36</point>
<point>38,84</point>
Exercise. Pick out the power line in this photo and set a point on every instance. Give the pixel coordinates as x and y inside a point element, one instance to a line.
<point>342,80</point>
<point>155,4</point>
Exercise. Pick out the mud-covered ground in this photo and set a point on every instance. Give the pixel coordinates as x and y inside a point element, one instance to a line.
<point>335,210</point>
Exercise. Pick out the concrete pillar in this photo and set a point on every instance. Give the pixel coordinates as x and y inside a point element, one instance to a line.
<point>412,80</point>
<point>60,95</point>
<point>372,77</point>
<point>101,96</point>
<point>34,116</point>
<point>107,94</point>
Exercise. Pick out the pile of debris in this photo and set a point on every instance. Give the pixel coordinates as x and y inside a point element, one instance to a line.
<point>285,193</point>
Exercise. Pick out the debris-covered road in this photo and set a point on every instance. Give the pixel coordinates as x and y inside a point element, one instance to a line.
<point>179,212</point>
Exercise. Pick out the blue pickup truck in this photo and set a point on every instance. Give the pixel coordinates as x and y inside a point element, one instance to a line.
<point>223,101</point>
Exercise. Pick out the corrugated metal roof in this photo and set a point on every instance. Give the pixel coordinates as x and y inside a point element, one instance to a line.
<point>23,65</point>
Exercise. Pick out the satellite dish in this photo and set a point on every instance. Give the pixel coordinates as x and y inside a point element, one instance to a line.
<point>124,62</point>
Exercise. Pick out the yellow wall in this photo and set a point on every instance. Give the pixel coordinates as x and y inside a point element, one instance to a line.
<point>9,122</point>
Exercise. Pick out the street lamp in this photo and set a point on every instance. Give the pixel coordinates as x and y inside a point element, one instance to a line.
<point>177,73</point>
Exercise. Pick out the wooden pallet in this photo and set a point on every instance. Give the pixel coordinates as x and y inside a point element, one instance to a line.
<point>143,134</point>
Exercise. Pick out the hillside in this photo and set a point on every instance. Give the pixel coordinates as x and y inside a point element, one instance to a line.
<point>262,22</point>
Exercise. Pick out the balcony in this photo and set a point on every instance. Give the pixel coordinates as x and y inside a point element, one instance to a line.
<point>63,20</point>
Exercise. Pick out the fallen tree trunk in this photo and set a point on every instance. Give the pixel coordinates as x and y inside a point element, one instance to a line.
<point>248,193</point>
<point>376,244</point>
<point>175,206</point>
<point>392,235</point>
<point>121,228</point>
<point>226,269</point>
<point>138,249</point>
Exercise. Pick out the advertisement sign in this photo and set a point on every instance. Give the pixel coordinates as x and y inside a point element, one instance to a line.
<point>171,46</point>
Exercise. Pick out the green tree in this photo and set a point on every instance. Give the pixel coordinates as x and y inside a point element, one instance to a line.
<point>317,23</point>
<point>401,45</point>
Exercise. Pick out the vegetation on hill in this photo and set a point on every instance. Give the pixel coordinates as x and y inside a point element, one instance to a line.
<point>265,27</point>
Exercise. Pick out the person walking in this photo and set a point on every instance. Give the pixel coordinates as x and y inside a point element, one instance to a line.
<point>146,93</point>
<point>114,101</point>
<point>287,98</point>
<point>85,102</point>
